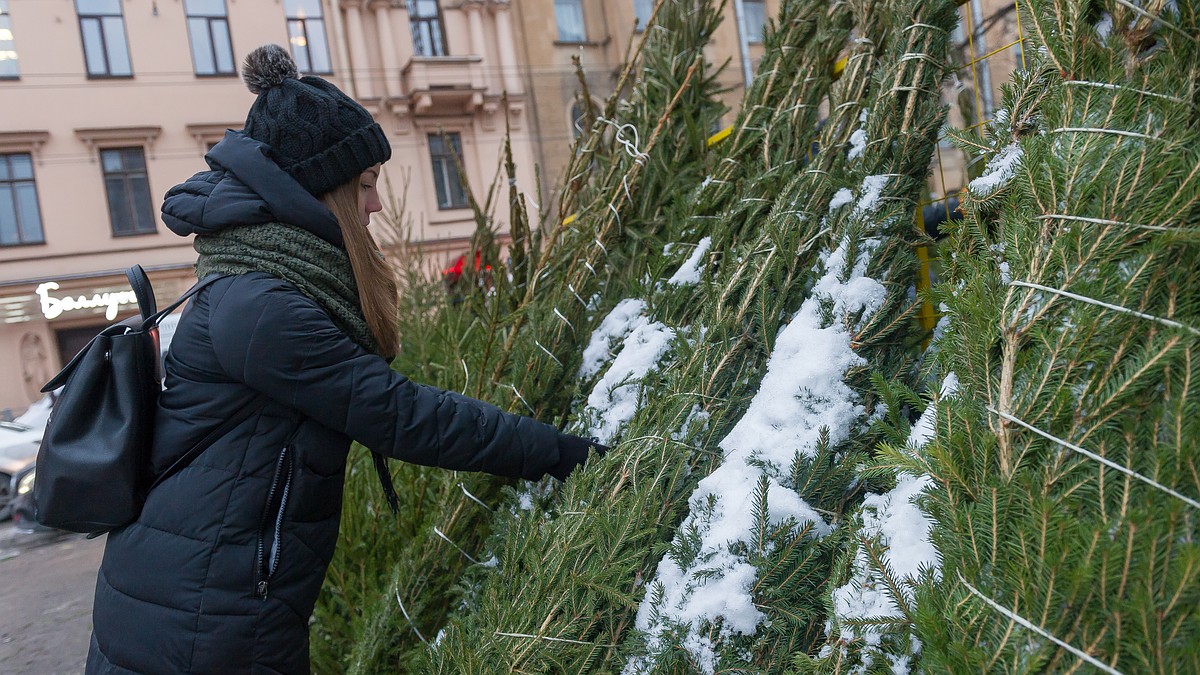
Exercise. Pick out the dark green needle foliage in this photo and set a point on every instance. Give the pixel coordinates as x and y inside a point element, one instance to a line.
<point>515,340</point>
<point>1066,473</point>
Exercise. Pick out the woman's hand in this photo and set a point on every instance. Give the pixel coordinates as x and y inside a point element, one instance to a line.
<point>572,452</point>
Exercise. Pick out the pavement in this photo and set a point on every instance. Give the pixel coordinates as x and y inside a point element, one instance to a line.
<point>47,580</point>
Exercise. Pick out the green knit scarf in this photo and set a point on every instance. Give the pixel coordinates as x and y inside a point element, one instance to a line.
<point>319,269</point>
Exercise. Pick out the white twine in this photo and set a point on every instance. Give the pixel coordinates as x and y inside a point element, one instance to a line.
<point>796,107</point>
<point>409,618</point>
<point>548,353</point>
<point>576,294</point>
<point>472,497</point>
<point>1109,85</point>
<point>1102,221</point>
<point>443,536</point>
<point>522,398</point>
<point>631,148</point>
<point>1103,460</point>
<point>616,215</point>
<point>919,56</point>
<point>918,24</point>
<point>564,319</point>
<point>1040,631</point>
<point>1101,130</point>
<point>1106,305</point>
<point>551,639</point>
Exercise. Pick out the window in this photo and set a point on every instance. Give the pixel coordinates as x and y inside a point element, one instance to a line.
<point>103,29</point>
<point>569,15</point>
<point>428,33</point>
<point>20,217</point>
<point>579,119</point>
<point>446,152</point>
<point>129,207</point>
<point>642,9</point>
<point>8,48</point>
<point>306,35</point>
<point>208,29</point>
<point>755,12</point>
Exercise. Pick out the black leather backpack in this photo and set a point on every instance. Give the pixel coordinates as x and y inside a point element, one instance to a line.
<point>93,467</point>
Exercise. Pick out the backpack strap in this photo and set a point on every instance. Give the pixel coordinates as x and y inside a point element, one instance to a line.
<point>260,401</point>
<point>142,290</point>
<point>151,320</point>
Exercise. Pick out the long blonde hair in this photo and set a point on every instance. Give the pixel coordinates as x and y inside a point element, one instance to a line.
<point>375,278</point>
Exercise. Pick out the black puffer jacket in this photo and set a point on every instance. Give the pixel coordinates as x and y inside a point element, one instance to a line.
<point>221,570</point>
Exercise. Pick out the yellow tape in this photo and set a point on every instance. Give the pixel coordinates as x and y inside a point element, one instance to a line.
<point>926,315</point>
<point>720,136</point>
<point>840,67</point>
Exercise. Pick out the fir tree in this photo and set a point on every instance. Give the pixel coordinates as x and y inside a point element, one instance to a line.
<point>1065,482</point>
<point>566,579</point>
<point>391,584</point>
<point>865,234</point>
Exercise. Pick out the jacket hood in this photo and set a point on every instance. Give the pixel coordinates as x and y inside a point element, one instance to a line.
<point>244,187</point>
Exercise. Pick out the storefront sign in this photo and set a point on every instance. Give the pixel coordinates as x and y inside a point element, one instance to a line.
<point>53,307</point>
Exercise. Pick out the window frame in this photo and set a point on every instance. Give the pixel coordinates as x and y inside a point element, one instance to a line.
<point>756,38</point>
<point>559,37</point>
<point>11,183</point>
<point>104,39</point>
<point>6,24</point>
<point>639,26</point>
<point>299,18</point>
<point>445,170</point>
<point>435,21</point>
<point>127,176</point>
<point>209,20</point>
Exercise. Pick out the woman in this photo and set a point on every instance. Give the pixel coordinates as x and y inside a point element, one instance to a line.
<point>220,572</point>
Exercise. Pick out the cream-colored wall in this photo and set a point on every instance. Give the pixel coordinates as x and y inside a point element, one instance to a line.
<point>54,98</point>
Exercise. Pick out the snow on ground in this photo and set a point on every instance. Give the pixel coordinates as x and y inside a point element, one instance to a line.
<point>1000,168</point>
<point>802,392</point>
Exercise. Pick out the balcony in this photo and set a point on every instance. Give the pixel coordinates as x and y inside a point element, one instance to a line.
<point>439,85</point>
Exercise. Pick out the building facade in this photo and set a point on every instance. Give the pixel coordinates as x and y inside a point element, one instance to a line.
<point>551,32</point>
<point>106,104</point>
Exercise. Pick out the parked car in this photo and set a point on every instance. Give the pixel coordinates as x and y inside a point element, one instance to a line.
<point>18,452</point>
<point>21,506</point>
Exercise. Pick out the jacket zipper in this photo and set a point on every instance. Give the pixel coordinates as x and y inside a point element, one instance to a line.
<point>268,560</point>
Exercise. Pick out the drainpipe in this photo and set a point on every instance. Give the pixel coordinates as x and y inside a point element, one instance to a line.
<point>985,72</point>
<point>739,17</point>
<point>342,52</point>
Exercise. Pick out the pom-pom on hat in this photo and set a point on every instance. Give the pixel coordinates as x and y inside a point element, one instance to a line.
<point>317,134</point>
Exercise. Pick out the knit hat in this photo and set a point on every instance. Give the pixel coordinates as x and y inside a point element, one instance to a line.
<point>317,134</point>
